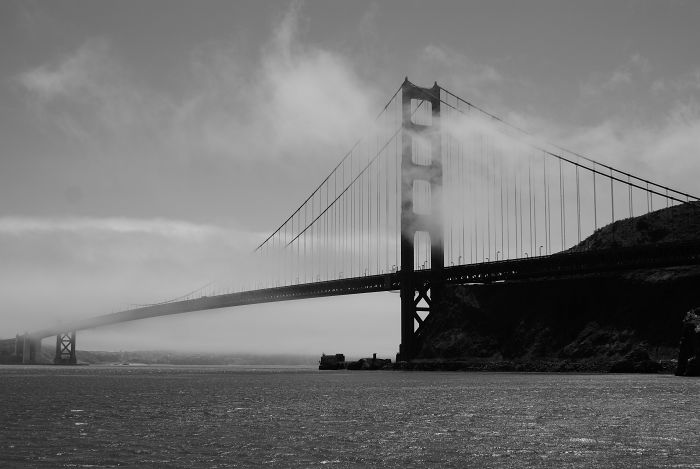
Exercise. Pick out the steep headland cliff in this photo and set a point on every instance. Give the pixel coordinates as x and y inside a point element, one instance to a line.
<point>620,321</point>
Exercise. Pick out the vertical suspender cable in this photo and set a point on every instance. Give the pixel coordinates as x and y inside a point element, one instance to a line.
<point>578,205</point>
<point>562,211</point>
<point>544,199</point>
<point>612,198</point>
<point>595,207</point>
<point>629,187</point>
<point>549,217</point>
<point>502,215</point>
<point>529,198</point>
<point>516,212</point>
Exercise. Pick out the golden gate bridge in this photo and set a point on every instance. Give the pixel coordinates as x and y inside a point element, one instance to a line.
<point>437,192</point>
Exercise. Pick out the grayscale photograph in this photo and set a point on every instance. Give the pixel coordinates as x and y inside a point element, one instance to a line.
<point>349,234</point>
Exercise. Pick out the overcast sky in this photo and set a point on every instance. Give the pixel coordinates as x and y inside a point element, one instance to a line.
<point>146,146</point>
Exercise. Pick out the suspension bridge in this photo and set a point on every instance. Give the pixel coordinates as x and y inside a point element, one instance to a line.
<point>438,191</point>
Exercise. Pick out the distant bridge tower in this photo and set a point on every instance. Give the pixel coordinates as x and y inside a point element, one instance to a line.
<point>65,349</point>
<point>421,221</point>
<point>27,348</point>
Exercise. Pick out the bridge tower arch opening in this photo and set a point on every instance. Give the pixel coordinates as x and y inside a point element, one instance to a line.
<point>421,219</point>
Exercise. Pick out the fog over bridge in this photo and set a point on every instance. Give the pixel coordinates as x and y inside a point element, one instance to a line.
<point>437,192</point>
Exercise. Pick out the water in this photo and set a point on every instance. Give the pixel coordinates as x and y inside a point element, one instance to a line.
<point>298,417</point>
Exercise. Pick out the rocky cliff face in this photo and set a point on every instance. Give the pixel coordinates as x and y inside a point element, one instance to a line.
<point>689,347</point>
<point>610,322</point>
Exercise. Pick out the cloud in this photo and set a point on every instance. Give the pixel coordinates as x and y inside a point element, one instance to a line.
<point>18,226</point>
<point>460,71</point>
<point>688,82</point>
<point>291,99</point>
<point>145,248</point>
<point>665,152</point>
<point>89,95</point>
<point>624,74</point>
<point>74,266</point>
<point>74,73</point>
<point>142,259</point>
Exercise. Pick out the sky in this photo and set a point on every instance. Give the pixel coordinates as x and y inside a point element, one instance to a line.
<point>146,147</point>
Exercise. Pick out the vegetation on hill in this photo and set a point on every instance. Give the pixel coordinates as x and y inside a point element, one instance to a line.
<point>628,321</point>
<point>677,224</point>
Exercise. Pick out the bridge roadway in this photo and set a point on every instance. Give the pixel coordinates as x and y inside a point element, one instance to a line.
<point>561,264</point>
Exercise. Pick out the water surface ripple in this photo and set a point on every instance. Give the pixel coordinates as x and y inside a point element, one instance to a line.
<point>290,417</point>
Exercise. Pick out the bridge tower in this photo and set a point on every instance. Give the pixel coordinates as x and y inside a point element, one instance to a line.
<point>65,349</point>
<point>27,348</point>
<point>421,172</point>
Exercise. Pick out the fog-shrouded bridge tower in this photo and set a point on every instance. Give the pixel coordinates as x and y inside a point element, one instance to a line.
<point>421,171</point>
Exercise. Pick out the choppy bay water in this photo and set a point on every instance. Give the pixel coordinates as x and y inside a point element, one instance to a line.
<point>286,417</point>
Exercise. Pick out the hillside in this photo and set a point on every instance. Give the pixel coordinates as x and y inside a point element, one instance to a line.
<point>627,321</point>
<point>678,224</point>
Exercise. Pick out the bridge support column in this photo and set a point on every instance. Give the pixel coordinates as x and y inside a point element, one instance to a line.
<point>421,172</point>
<point>30,348</point>
<point>18,347</point>
<point>65,349</point>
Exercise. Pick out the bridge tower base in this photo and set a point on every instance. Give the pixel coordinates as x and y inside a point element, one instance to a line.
<point>421,172</point>
<point>65,349</point>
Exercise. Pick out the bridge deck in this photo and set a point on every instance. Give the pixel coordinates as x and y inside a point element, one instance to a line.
<point>562,264</point>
